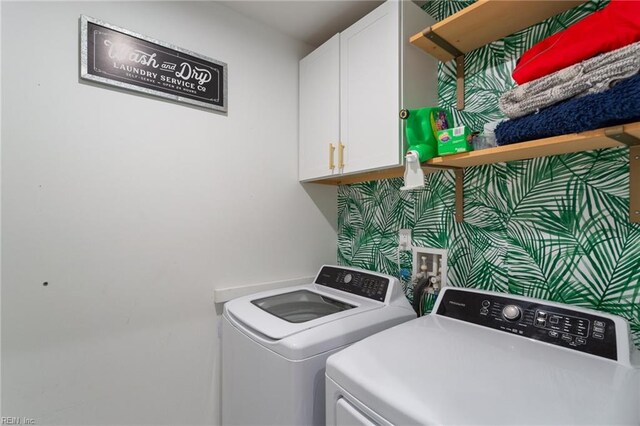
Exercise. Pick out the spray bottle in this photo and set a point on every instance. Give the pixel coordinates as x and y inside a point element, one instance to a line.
<point>422,126</point>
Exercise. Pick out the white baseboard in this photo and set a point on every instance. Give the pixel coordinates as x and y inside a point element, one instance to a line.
<point>221,295</point>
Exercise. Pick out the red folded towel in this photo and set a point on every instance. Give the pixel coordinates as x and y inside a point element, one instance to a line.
<point>613,27</point>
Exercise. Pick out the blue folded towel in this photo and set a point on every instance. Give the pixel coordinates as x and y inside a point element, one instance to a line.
<point>618,105</point>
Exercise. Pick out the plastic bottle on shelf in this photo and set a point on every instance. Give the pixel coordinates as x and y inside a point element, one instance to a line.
<point>487,139</point>
<point>422,126</point>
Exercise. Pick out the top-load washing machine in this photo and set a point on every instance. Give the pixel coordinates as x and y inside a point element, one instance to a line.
<point>275,343</point>
<point>484,358</point>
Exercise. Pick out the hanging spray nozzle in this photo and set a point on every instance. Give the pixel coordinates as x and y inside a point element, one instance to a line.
<point>421,128</point>
<point>413,174</point>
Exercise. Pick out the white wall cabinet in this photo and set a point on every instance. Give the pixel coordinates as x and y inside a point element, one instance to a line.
<point>353,87</point>
<point>320,111</point>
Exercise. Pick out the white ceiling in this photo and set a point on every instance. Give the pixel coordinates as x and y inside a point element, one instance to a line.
<point>310,21</point>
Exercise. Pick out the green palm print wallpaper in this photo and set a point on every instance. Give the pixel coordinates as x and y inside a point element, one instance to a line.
<point>554,228</point>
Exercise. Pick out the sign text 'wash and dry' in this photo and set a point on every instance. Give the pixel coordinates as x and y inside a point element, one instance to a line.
<point>121,58</point>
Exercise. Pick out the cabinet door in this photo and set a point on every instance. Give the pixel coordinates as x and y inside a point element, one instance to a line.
<point>319,111</point>
<point>370,90</point>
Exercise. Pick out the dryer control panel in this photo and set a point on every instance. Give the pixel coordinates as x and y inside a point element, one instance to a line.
<point>576,330</point>
<point>355,282</point>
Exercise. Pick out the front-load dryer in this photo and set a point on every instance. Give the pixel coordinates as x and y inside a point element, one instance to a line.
<point>275,343</point>
<point>484,358</point>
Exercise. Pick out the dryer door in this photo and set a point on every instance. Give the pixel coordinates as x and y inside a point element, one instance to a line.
<point>348,415</point>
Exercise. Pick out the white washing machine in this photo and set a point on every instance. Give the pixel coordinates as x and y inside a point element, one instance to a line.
<point>275,343</point>
<point>484,358</point>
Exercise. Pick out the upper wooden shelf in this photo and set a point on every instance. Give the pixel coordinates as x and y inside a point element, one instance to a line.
<point>565,144</point>
<point>483,22</point>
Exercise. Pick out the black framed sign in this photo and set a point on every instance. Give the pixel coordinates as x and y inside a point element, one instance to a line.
<point>122,58</point>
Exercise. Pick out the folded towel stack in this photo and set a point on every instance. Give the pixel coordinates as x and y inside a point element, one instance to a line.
<point>618,105</point>
<point>591,76</point>
<point>581,78</point>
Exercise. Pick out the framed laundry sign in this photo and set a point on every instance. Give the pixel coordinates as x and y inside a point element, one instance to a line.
<point>122,58</point>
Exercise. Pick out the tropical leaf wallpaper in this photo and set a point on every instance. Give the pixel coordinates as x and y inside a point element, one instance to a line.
<point>554,228</point>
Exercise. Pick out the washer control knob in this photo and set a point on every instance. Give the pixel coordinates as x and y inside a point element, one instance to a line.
<point>511,312</point>
<point>347,278</point>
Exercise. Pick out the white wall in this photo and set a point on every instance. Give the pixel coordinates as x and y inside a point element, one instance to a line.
<point>134,209</point>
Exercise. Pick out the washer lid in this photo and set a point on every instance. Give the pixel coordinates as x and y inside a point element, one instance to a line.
<point>301,305</point>
<point>437,370</point>
<point>280,313</point>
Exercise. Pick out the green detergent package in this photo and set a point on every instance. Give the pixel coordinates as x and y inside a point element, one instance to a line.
<point>422,126</point>
<point>454,141</point>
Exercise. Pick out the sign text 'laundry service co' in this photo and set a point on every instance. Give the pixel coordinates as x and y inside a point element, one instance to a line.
<point>122,58</point>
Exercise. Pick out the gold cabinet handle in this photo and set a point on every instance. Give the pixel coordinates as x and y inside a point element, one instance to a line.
<point>332,149</point>
<point>340,155</point>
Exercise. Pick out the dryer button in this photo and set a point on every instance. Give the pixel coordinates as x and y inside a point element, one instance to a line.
<point>511,313</point>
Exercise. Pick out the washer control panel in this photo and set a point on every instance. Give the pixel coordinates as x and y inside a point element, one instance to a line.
<point>354,282</point>
<point>565,327</point>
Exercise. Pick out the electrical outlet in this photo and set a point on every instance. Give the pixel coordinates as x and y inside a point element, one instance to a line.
<point>404,239</point>
<point>434,263</point>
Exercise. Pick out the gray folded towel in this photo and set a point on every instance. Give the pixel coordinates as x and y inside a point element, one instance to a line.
<point>591,76</point>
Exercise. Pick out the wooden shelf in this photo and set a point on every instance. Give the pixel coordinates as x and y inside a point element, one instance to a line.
<point>610,137</point>
<point>565,144</point>
<point>486,21</point>
<point>585,141</point>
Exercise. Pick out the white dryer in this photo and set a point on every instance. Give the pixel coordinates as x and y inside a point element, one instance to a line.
<point>275,343</point>
<point>484,358</point>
